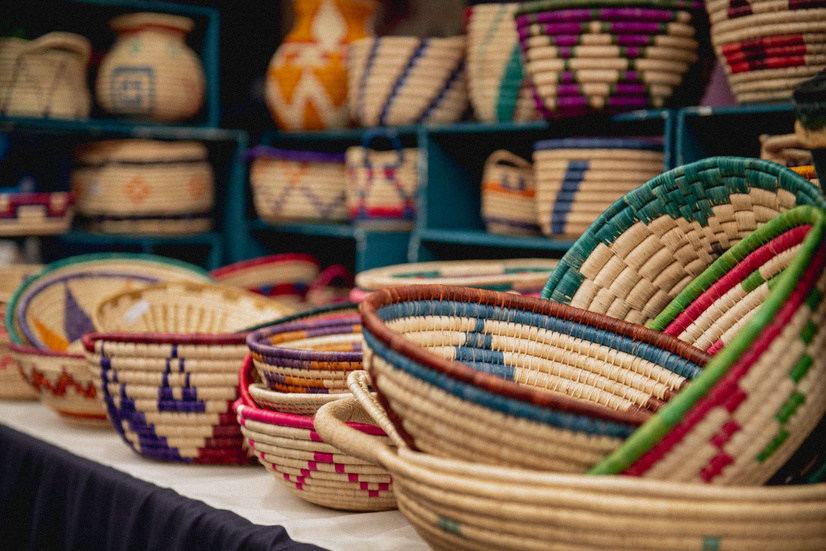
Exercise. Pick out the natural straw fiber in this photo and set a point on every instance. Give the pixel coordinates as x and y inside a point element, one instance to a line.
<point>785,149</point>
<point>761,395</point>
<point>508,204</point>
<point>288,446</point>
<point>465,505</point>
<point>646,247</point>
<point>500,378</point>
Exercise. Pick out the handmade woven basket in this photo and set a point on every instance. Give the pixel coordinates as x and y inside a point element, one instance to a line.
<point>511,380</point>
<point>144,186</point>
<point>309,356</point>
<point>382,185</point>
<point>525,276</point>
<point>508,203</point>
<point>466,505</point>
<point>786,149</point>
<point>32,213</point>
<point>292,185</point>
<point>650,244</point>
<point>288,446</point>
<point>761,395</point>
<point>400,80</point>
<point>285,277</point>
<point>12,384</point>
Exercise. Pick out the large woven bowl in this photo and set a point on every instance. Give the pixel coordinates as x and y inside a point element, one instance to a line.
<point>288,446</point>
<point>763,393</point>
<point>512,380</point>
<point>651,243</point>
<point>308,356</point>
<point>466,505</point>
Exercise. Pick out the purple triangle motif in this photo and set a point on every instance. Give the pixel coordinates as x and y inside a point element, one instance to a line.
<point>75,321</point>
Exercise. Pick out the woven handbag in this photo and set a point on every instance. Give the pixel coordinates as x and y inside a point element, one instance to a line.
<point>763,393</point>
<point>382,184</point>
<point>651,243</point>
<point>288,447</point>
<point>512,380</point>
<point>508,203</point>
<point>466,505</point>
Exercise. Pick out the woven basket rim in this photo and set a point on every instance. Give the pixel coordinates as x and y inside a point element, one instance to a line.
<point>492,383</point>
<point>535,6</point>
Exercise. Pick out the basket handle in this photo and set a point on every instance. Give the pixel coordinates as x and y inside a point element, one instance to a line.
<point>59,40</point>
<point>503,156</point>
<point>330,421</point>
<point>389,135</point>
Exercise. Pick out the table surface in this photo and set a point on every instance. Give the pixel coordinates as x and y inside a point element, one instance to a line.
<point>249,491</point>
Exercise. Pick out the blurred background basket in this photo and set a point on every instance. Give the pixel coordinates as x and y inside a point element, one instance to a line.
<point>285,277</point>
<point>12,384</point>
<point>576,179</point>
<point>35,213</point>
<point>511,380</point>
<point>289,448</point>
<point>295,185</point>
<point>456,504</point>
<point>508,203</point>
<point>650,244</point>
<point>401,80</point>
<point>144,186</point>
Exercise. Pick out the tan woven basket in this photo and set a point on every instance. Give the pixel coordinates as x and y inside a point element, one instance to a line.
<point>508,203</point>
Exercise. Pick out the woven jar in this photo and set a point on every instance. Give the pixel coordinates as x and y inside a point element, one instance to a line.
<point>150,72</point>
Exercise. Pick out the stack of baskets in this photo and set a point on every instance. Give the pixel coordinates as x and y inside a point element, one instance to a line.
<point>578,178</point>
<point>767,47</point>
<point>497,86</point>
<point>508,203</point>
<point>165,359</point>
<point>303,365</point>
<point>382,184</point>
<point>143,186</point>
<point>285,277</point>
<point>584,57</point>
<point>400,80</point>
<point>12,384</point>
<point>293,185</point>
<point>49,313</point>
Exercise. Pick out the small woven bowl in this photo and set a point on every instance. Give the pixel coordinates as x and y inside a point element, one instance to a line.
<point>505,379</point>
<point>311,356</point>
<point>288,446</point>
<point>285,277</point>
<point>63,384</point>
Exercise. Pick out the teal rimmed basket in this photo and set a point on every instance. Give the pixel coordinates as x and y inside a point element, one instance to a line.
<point>762,395</point>
<point>651,243</point>
<point>512,380</point>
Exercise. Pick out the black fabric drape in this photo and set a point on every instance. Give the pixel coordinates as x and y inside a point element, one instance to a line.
<point>51,499</point>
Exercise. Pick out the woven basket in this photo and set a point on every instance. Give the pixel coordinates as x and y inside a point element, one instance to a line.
<point>465,505</point>
<point>525,276</point>
<point>785,149</point>
<point>291,185</point>
<point>401,80</point>
<point>184,307</point>
<point>644,249</point>
<point>508,203</point>
<point>33,213</point>
<point>285,277</point>
<point>144,186</point>
<point>63,383</point>
<point>288,446</point>
<point>12,384</point>
<point>311,356</point>
<point>764,392</point>
<point>511,380</point>
<point>53,309</point>
<point>382,184</point>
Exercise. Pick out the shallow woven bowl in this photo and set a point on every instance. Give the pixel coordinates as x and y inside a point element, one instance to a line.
<point>285,277</point>
<point>310,356</point>
<point>466,505</point>
<point>288,446</point>
<point>505,379</point>
<point>764,392</point>
<point>63,384</point>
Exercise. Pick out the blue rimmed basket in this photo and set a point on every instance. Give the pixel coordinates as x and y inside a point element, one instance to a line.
<point>763,393</point>
<point>511,380</point>
<point>651,243</point>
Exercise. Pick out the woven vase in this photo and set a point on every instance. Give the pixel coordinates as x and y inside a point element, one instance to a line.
<point>306,86</point>
<point>150,72</point>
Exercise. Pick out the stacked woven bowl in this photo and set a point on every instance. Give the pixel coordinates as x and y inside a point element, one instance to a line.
<point>578,178</point>
<point>584,57</point>
<point>497,87</point>
<point>399,80</point>
<point>767,47</point>
<point>165,359</point>
<point>302,365</point>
